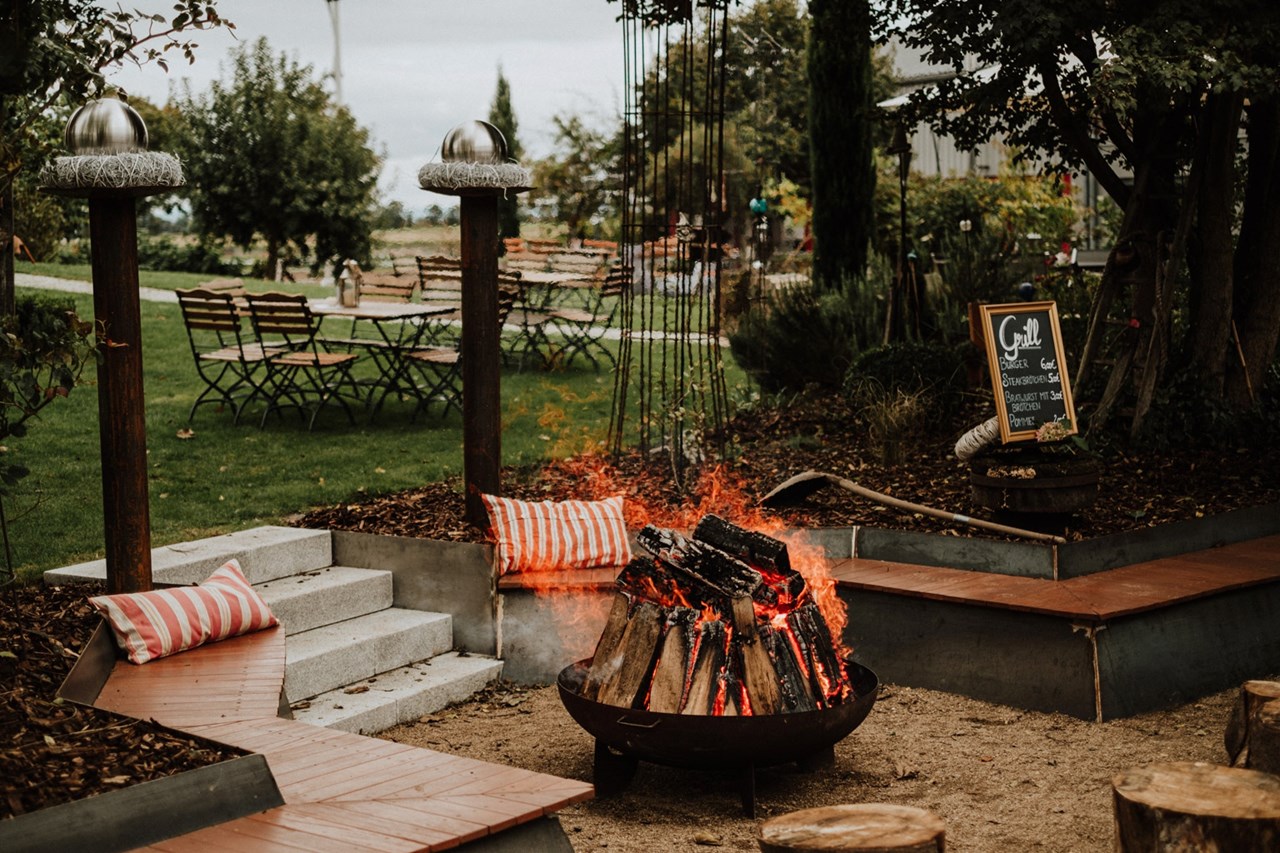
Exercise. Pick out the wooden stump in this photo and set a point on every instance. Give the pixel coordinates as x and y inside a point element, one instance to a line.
<point>1196,806</point>
<point>1264,739</point>
<point>1238,737</point>
<point>864,828</point>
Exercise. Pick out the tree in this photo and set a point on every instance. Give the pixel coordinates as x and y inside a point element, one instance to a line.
<point>503,117</point>
<point>842,166</point>
<point>1157,91</point>
<point>580,182</point>
<point>54,52</point>
<point>270,155</point>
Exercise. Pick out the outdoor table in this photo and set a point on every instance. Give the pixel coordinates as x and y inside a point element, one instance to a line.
<point>542,286</point>
<point>400,326</point>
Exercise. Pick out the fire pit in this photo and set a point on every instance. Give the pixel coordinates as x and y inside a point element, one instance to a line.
<point>624,737</point>
<point>717,654</point>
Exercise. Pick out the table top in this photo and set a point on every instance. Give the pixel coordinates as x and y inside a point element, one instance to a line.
<point>562,279</point>
<point>368,310</point>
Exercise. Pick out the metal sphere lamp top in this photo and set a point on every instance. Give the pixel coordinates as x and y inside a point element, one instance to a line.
<point>474,142</point>
<point>106,126</point>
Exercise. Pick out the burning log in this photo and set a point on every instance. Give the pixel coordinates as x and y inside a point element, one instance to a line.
<point>715,624</point>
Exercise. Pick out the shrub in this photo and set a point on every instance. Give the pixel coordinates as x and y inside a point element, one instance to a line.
<point>933,372</point>
<point>800,337</point>
<point>203,256</point>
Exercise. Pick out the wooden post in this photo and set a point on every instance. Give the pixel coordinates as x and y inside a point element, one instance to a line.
<point>481,377</point>
<point>121,414</point>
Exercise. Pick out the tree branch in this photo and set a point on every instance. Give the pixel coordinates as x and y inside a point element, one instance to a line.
<point>1072,126</point>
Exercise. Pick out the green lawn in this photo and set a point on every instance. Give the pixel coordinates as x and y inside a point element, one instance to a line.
<point>225,478</point>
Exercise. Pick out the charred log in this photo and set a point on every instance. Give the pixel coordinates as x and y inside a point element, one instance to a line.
<point>710,654</point>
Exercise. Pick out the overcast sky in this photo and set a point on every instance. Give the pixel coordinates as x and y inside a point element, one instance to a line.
<point>412,69</point>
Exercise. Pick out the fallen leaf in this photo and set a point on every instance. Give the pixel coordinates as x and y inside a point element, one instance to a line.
<point>116,780</point>
<point>360,688</point>
<point>707,839</point>
<point>186,433</point>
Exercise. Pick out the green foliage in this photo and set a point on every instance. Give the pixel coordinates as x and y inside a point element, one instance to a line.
<point>503,116</point>
<point>929,372</point>
<point>578,184</point>
<point>840,119</point>
<point>802,336</point>
<point>269,155</point>
<point>44,347</point>
<point>164,253</point>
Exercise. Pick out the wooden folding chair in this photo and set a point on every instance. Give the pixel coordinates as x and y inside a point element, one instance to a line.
<point>441,366</point>
<point>305,377</point>
<point>584,328</point>
<point>226,360</point>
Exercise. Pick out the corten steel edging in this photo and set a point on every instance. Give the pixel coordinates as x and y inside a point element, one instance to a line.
<point>1160,658</point>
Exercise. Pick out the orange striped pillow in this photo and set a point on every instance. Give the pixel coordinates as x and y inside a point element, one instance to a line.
<point>549,536</point>
<point>162,622</point>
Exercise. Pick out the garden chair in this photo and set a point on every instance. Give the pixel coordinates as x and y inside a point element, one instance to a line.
<point>441,366</point>
<point>440,282</point>
<point>584,328</point>
<point>231,363</point>
<point>305,376</point>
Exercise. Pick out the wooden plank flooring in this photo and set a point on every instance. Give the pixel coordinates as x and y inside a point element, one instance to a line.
<point>342,791</point>
<point>1097,597</point>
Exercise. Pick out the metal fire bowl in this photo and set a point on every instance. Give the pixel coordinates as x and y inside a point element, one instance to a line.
<point>713,743</point>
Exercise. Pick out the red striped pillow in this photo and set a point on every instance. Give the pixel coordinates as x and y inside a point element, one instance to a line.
<point>549,536</point>
<point>150,625</point>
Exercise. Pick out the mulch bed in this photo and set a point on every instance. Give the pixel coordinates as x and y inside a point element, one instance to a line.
<point>52,751</point>
<point>823,434</point>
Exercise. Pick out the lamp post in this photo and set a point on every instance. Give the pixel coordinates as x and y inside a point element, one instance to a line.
<point>901,148</point>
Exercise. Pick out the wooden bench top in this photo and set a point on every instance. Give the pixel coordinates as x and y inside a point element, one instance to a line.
<point>1098,597</point>
<point>342,791</point>
<point>1105,595</point>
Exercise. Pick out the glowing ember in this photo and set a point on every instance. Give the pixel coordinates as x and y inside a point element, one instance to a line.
<point>718,623</point>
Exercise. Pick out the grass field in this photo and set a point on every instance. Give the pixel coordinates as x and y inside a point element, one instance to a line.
<point>223,477</point>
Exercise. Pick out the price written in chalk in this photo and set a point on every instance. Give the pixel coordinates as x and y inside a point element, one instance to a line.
<point>1024,351</point>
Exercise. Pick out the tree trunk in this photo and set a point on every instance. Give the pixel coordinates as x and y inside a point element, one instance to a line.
<point>273,258</point>
<point>1211,297</point>
<point>7,288</point>
<point>1195,806</point>
<point>1257,289</point>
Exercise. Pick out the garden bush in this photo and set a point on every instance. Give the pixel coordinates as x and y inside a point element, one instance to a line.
<point>930,371</point>
<point>166,254</point>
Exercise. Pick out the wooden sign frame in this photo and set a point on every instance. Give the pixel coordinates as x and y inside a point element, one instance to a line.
<point>1019,342</point>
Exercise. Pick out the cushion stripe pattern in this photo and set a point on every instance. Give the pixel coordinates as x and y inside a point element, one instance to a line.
<point>547,536</point>
<point>155,624</point>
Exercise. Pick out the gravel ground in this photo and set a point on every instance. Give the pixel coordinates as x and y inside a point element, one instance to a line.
<point>1001,778</point>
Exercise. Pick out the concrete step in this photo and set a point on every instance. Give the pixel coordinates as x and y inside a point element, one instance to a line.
<point>325,596</point>
<point>404,694</point>
<point>346,652</point>
<point>265,553</point>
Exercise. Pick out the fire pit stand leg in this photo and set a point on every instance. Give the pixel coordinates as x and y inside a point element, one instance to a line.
<point>747,788</point>
<point>613,770</point>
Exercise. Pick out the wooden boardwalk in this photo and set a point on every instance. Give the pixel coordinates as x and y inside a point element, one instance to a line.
<point>342,792</point>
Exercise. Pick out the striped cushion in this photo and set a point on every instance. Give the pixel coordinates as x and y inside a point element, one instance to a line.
<point>150,625</point>
<point>553,536</point>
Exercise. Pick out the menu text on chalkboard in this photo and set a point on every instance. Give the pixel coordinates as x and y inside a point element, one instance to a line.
<point>1028,369</point>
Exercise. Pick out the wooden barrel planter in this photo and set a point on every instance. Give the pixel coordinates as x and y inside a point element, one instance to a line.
<point>1029,487</point>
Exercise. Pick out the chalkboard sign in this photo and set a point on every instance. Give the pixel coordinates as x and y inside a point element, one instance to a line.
<point>1028,370</point>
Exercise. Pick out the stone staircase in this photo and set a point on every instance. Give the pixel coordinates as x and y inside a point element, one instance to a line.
<point>354,661</point>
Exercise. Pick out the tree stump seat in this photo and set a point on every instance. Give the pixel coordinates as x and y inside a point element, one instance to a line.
<point>1186,805</point>
<point>860,828</point>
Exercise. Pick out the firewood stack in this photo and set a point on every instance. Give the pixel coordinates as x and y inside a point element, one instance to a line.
<point>715,624</point>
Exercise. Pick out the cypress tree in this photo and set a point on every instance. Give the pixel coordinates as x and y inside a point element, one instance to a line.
<point>503,117</point>
<point>842,165</point>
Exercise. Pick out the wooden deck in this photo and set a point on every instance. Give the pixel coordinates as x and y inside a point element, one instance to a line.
<point>342,792</point>
<point>1098,597</point>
